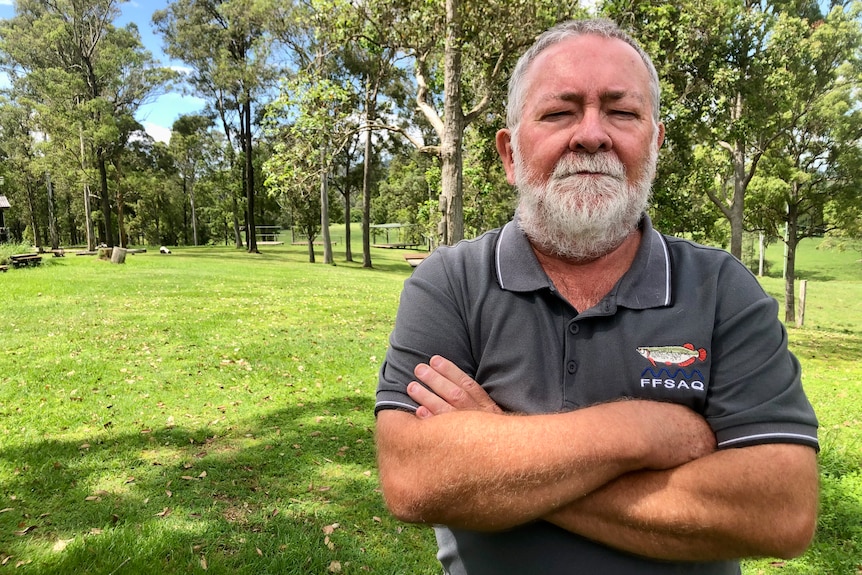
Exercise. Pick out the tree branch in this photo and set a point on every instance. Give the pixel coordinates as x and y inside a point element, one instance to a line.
<point>422,96</point>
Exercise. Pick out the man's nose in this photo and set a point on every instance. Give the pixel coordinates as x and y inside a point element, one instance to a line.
<point>590,134</point>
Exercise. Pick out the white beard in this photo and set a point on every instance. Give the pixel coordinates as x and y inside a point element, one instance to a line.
<point>582,217</point>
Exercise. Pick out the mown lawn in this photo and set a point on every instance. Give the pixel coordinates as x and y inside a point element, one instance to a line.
<point>212,411</point>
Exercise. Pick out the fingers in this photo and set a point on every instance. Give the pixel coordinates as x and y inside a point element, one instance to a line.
<point>447,388</point>
<point>469,393</point>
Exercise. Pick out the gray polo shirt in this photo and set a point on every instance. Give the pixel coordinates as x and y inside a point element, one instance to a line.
<point>687,323</point>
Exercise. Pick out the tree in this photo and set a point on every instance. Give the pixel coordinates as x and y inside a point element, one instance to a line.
<point>86,78</point>
<point>816,166</point>
<point>228,45</point>
<point>731,74</point>
<point>188,135</point>
<point>303,151</point>
<point>453,39</point>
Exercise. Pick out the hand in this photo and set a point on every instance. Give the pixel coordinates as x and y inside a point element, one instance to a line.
<point>448,389</point>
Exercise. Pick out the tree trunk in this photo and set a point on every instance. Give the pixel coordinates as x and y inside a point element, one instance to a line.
<point>348,250</point>
<point>453,129</point>
<point>191,191</point>
<point>324,208</point>
<point>791,241</point>
<point>737,207</point>
<point>123,239</point>
<point>34,226</point>
<point>370,115</point>
<point>106,200</point>
<point>311,250</point>
<point>52,219</point>
<point>88,212</point>
<point>249,175</point>
<point>237,234</point>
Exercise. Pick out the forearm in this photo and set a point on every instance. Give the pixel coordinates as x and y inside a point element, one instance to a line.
<point>754,501</point>
<point>486,471</point>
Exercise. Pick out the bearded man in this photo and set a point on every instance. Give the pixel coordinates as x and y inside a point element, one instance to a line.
<point>576,392</point>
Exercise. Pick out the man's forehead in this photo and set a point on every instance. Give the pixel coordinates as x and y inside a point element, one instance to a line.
<point>559,69</point>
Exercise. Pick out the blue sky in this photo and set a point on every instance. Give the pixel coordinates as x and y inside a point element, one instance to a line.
<point>157,116</point>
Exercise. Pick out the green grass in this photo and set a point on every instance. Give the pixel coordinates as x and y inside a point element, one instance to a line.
<point>212,410</point>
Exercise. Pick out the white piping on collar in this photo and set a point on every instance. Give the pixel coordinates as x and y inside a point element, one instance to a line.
<point>666,267</point>
<point>499,244</point>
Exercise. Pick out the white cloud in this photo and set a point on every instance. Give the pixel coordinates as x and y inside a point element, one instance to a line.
<point>7,2</point>
<point>158,133</point>
<point>184,70</point>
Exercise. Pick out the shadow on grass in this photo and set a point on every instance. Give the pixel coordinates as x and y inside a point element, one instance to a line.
<point>291,491</point>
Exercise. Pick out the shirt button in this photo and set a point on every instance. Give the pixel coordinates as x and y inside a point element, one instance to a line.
<point>574,328</point>
<point>572,367</point>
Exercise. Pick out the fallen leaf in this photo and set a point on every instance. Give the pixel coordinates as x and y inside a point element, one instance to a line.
<point>202,475</point>
<point>188,478</point>
<point>330,529</point>
<point>335,567</point>
<point>7,509</point>
<point>203,563</point>
<point>95,531</point>
<point>164,512</point>
<point>26,530</point>
<point>92,498</point>
<point>84,446</point>
<point>61,544</point>
<point>376,519</point>
<point>168,492</point>
<point>259,552</point>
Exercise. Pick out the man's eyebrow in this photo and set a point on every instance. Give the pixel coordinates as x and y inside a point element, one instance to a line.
<point>607,96</point>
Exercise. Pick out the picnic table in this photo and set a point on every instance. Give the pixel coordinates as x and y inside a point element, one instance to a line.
<point>23,260</point>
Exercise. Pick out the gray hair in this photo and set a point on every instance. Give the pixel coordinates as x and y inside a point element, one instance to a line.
<point>572,29</point>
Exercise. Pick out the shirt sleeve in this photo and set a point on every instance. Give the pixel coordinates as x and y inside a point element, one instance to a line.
<point>429,322</point>
<point>756,393</point>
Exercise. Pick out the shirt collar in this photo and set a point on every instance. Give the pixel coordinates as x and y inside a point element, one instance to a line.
<point>646,284</point>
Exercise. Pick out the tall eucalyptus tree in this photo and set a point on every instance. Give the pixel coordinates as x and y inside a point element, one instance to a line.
<point>228,45</point>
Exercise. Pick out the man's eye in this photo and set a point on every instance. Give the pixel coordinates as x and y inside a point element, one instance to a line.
<point>623,113</point>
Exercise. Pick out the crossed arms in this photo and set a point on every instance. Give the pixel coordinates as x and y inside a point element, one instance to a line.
<point>640,476</point>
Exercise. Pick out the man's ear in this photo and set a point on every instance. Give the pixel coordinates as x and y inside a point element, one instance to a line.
<point>660,135</point>
<point>504,148</point>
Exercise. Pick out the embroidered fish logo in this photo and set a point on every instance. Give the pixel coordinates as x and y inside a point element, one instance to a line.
<point>681,355</point>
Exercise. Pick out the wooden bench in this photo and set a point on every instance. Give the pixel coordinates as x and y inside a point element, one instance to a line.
<point>415,259</point>
<point>22,260</point>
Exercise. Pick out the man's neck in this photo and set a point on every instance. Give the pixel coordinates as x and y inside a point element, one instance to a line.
<point>585,283</point>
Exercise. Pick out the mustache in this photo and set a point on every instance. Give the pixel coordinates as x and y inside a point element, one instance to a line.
<point>606,163</point>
